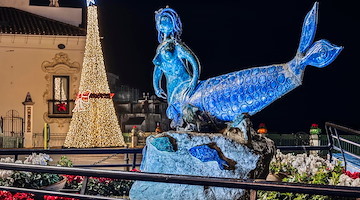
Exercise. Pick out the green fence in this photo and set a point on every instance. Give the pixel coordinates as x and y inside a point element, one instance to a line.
<point>303,138</point>
<point>11,142</point>
<point>292,139</point>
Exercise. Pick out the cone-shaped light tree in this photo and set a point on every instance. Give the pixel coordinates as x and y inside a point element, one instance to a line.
<point>94,122</point>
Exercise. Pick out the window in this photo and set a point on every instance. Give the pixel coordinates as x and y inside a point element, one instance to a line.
<point>157,108</point>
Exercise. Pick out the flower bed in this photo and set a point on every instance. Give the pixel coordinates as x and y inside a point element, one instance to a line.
<point>97,185</point>
<point>21,179</point>
<point>5,195</point>
<point>310,169</point>
<point>100,186</point>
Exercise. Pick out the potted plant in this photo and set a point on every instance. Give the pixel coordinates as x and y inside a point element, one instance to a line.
<point>314,129</point>
<point>310,169</point>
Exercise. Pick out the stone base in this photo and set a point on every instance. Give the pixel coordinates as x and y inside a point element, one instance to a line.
<point>184,154</point>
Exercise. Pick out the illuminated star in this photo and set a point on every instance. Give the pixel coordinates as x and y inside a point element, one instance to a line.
<point>90,2</point>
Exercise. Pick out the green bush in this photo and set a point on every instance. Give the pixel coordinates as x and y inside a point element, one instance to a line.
<point>303,168</point>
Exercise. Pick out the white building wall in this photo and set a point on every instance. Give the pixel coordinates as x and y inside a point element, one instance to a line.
<point>21,59</point>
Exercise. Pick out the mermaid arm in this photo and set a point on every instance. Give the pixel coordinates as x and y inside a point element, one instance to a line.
<point>184,52</point>
<point>158,73</point>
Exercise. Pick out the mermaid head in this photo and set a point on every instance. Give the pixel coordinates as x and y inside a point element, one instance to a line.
<point>168,24</point>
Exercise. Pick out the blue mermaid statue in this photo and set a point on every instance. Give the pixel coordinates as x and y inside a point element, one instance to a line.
<point>226,98</point>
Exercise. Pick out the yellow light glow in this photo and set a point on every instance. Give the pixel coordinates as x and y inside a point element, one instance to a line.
<point>98,125</point>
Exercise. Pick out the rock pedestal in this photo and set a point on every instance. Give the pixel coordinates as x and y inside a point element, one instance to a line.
<point>199,154</point>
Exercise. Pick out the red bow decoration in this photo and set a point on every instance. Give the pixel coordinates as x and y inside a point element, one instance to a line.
<point>61,107</point>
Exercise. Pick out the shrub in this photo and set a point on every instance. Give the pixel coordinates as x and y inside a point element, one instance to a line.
<point>309,169</point>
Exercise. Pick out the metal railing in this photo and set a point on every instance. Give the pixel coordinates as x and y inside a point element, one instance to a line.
<point>134,152</point>
<point>12,125</point>
<point>305,147</point>
<point>60,109</point>
<point>17,152</point>
<point>11,130</point>
<point>11,142</point>
<point>252,184</point>
<point>337,142</point>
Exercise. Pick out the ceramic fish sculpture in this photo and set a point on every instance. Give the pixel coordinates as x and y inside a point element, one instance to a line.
<point>206,154</point>
<point>227,97</point>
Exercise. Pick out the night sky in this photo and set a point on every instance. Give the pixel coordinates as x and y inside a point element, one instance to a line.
<point>232,35</point>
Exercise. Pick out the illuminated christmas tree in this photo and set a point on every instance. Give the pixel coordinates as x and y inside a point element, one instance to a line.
<point>94,122</point>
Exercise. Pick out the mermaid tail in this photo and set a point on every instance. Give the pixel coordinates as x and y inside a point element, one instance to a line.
<point>248,91</point>
<point>320,53</point>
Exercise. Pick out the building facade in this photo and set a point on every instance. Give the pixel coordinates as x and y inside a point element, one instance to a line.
<point>136,109</point>
<point>145,113</point>
<point>41,53</point>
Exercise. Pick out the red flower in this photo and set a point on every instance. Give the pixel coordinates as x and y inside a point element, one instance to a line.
<point>48,197</point>
<point>71,178</point>
<point>23,196</point>
<point>314,125</point>
<point>353,175</point>
<point>262,125</point>
<point>135,170</point>
<point>61,107</point>
<point>5,194</point>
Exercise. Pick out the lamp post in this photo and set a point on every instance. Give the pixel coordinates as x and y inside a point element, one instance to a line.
<point>314,136</point>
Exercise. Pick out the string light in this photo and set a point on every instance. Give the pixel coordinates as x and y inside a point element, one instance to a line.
<point>96,125</point>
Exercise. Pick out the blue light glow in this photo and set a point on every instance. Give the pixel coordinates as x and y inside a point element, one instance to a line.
<point>90,2</point>
<point>227,96</point>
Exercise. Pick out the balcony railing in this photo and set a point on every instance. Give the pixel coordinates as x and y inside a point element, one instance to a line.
<point>345,141</point>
